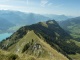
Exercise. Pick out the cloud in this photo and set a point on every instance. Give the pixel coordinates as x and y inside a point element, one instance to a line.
<point>10,7</point>
<point>4,6</point>
<point>27,1</point>
<point>45,3</point>
<point>18,0</point>
<point>15,0</point>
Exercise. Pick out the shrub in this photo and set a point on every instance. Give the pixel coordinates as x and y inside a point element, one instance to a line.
<point>13,57</point>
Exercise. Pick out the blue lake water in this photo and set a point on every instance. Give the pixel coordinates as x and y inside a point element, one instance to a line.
<point>4,36</point>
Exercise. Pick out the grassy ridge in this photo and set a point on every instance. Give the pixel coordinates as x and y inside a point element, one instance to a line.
<point>41,40</point>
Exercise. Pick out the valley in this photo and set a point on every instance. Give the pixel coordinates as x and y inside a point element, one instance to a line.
<point>4,36</point>
<point>39,29</point>
<point>11,21</point>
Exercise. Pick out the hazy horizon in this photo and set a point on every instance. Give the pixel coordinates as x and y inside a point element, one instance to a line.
<point>59,7</point>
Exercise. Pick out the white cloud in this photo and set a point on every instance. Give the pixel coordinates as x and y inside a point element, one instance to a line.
<point>26,1</point>
<point>14,0</point>
<point>10,7</point>
<point>43,3</point>
<point>4,6</point>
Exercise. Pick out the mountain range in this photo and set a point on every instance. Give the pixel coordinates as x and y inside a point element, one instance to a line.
<point>21,18</point>
<point>58,17</point>
<point>36,37</point>
<point>72,26</point>
<point>4,25</point>
<point>17,19</point>
<point>43,40</point>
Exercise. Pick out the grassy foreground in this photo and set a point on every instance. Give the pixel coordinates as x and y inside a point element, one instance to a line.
<point>4,55</point>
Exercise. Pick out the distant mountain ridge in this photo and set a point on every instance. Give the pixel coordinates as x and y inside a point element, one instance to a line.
<point>5,25</point>
<point>72,26</point>
<point>18,19</point>
<point>21,18</point>
<point>57,17</point>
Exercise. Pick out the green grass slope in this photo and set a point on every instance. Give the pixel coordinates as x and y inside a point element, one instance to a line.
<point>43,40</point>
<point>37,47</point>
<point>72,26</point>
<point>43,51</point>
<point>12,56</point>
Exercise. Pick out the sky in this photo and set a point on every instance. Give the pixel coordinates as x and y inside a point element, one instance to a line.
<point>65,7</point>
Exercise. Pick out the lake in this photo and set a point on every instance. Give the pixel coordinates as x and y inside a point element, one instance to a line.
<point>4,36</point>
